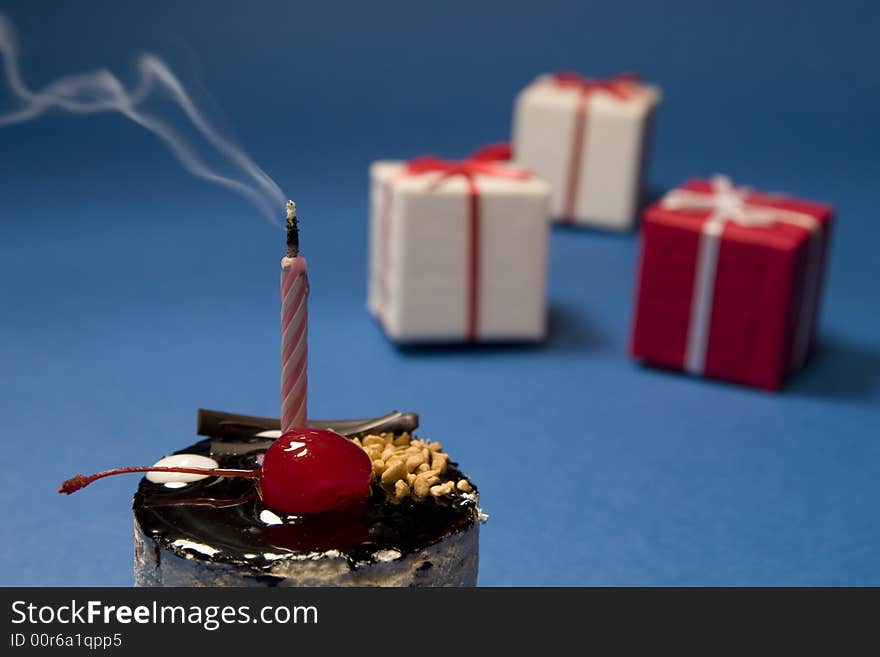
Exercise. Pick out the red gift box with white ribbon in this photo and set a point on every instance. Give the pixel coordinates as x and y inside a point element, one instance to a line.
<point>729,282</point>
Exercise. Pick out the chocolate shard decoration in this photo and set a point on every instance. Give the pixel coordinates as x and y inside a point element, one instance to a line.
<point>232,426</point>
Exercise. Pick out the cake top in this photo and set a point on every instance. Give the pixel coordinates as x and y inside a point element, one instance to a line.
<point>417,497</point>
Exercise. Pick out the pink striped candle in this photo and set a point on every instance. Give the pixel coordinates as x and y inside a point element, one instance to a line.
<point>294,322</point>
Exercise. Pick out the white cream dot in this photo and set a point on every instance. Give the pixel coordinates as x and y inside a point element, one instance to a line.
<point>269,518</point>
<point>181,461</point>
<point>201,548</point>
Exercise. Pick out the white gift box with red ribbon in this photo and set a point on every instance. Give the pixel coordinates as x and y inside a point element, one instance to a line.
<point>590,140</point>
<point>458,251</point>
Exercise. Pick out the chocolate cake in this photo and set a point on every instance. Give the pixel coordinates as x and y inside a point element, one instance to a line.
<point>419,525</point>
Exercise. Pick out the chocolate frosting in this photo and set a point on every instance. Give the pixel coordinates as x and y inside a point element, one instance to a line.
<point>221,519</point>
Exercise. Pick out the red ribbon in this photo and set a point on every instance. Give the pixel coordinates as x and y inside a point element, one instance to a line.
<point>621,86</point>
<point>500,152</point>
<point>484,162</point>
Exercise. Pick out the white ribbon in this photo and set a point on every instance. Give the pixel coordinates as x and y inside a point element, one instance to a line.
<point>725,202</point>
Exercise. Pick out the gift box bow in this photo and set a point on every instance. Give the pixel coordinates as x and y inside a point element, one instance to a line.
<point>480,164</point>
<point>722,203</point>
<point>726,202</point>
<point>622,85</point>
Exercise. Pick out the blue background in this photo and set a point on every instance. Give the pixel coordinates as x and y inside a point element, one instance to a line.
<point>133,293</point>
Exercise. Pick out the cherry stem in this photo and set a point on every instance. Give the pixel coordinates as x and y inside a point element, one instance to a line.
<point>81,481</point>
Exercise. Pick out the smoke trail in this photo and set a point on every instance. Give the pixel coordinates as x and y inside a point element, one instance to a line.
<point>101,91</point>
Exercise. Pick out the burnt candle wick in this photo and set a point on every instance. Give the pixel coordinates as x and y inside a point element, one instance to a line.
<point>292,231</point>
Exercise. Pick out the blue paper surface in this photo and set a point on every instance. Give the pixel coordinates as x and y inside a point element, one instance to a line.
<point>132,293</point>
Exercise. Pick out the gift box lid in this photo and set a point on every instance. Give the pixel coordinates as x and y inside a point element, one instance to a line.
<point>383,171</point>
<point>544,91</point>
<point>781,234</point>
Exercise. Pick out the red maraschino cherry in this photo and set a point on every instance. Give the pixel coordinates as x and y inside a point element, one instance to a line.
<point>313,470</point>
<point>304,471</point>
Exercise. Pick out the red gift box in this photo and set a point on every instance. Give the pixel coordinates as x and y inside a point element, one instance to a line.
<point>729,282</point>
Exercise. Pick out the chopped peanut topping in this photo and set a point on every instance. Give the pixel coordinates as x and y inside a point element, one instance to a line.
<point>408,467</point>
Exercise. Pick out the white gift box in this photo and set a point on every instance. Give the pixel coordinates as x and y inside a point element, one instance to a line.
<point>589,140</point>
<point>458,257</point>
